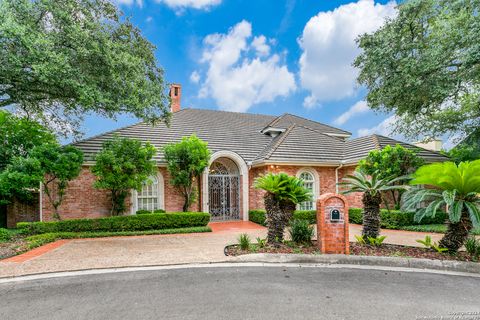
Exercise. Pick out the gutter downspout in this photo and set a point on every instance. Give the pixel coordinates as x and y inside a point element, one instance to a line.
<point>336,176</point>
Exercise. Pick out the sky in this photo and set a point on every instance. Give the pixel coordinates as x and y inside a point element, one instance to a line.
<point>262,56</point>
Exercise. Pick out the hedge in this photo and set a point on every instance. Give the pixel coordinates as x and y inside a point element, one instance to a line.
<point>152,221</point>
<point>258,216</point>
<point>148,211</point>
<point>395,219</point>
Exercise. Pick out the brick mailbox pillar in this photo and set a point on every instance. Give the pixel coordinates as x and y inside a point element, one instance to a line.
<point>332,224</point>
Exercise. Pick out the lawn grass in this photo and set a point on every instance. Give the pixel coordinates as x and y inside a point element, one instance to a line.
<point>438,228</point>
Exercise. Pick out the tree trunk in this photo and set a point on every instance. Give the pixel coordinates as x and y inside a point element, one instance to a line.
<point>273,220</point>
<point>457,233</point>
<point>371,215</point>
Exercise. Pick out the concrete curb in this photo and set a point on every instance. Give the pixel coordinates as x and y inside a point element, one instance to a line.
<point>332,259</point>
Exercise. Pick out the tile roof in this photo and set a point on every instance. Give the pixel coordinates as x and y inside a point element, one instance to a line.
<point>303,141</point>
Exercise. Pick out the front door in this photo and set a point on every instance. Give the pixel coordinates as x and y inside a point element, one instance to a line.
<point>224,190</point>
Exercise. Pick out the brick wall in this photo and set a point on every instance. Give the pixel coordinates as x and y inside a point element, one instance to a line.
<point>327,182</point>
<point>18,211</point>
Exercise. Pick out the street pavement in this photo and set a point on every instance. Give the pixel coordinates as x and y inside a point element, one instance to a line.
<point>242,292</point>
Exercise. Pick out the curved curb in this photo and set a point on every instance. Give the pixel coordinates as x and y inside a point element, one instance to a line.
<point>394,262</point>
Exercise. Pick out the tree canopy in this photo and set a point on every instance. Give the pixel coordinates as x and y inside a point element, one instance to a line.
<point>424,65</point>
<point>390,163</point>
<point>122,165</point>
<point>186,161</point>
<point>18,136</point>
<point>60,59</point>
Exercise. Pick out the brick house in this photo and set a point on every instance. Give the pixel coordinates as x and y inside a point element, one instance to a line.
<point>243,147</point>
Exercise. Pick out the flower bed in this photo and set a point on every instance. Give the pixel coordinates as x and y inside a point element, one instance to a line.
<point>386,250</point>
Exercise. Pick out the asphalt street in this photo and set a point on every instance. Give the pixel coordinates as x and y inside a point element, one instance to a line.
<point>245,293</point>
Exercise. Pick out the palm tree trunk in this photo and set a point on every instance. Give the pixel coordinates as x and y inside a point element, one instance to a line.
<point>273,220</point>
<point>457,233</point>
<point>371,215</point>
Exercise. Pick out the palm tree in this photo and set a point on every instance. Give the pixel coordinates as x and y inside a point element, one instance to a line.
<point>283,193</point>
<point>372,188</point>
<point>456,188</point>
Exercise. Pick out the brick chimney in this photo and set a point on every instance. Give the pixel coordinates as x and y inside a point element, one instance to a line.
<point>175,95</point>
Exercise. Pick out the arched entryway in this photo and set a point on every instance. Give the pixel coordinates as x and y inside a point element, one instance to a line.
<point>224,190</point>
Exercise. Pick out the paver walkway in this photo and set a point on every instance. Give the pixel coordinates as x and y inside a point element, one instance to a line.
<point>81,254</point>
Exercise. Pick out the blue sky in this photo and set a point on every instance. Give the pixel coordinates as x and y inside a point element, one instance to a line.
<point>262,56</point>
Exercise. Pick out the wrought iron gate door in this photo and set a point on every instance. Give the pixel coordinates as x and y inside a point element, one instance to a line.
<point>224,196</point>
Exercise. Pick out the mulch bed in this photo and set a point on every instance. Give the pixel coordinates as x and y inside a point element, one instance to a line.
<point>12,247</point>
<point>386,250</point>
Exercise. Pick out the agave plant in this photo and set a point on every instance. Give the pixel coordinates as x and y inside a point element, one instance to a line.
<point>449,186</point>
<point>372,188</point>
<point>283,193</point>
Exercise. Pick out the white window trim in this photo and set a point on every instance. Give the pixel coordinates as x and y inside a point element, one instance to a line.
<point>161,195</point>
<point>316,184</point>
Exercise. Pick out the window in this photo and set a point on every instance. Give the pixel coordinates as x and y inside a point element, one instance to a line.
<point>151,196</point>
<point>309,183</point>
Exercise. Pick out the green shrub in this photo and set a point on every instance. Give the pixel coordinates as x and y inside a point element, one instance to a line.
<point>244,241</point>
<point>5,235</point>
<point>355,215</point>
<point>472,246</point>
<point>154,221</point>
<point>395,219</point>
<point>148,211</point>
<point>301,231</point>
<point>258,216</point>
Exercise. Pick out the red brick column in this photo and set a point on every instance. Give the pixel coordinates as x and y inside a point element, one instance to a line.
<point>332,235</point>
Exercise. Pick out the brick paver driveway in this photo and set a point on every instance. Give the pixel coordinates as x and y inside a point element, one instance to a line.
<point>82,254</point>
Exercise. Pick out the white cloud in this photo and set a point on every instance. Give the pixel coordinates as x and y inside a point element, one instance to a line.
<point>261,46</point>
<point>357,108</point>
<point>195,77</point>
<point>129,2</point>
<point>234,79</point>
<point>149,19</point>
<point>329,48</point>
<point>384,128</point>
<point>195,4</point>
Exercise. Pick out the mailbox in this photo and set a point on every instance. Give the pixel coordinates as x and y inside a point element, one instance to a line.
<point>335,215</point>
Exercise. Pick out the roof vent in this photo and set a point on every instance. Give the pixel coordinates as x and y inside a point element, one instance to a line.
<point>272,132</point>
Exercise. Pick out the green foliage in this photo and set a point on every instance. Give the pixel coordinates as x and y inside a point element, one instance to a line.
<point>391,162</point>
<point>18,136</point>
<point>472,245</point>
<point>355,215</point>
<point>455,186</point>
<point>62,59</point>
<point>44,238</point>
<point>258,216</point>
<point>360,240</point>
<point>186,160</point>
<point>59,165</point>
<point>19,178</point>
<point>284,187</point>
<point>423,65</point>
<point>438,228</point>
<point>301,231</point>
<point>372,184</point>
<point>261,242</point>
<point>244,241</point>
<point>467,150</point>
<point>142,222</point>
<point>122,165</point>
<point>427,242</point>
<point>149,212</point>
<point>376,241</point>
<point>5,235</point>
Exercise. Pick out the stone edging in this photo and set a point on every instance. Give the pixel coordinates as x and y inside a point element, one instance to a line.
<point>332,259</point>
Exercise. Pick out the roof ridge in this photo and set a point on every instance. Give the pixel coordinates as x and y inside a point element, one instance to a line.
<point>105,133</point>
<point>279,142</point>
<point>271,123</point>
<point>235,112</point>
<point>323,124</point>
<point>320,132</point>
<point>375,141</point>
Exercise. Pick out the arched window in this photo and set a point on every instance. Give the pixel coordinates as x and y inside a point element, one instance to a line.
<point>151,196</point>
<point>309,182</point>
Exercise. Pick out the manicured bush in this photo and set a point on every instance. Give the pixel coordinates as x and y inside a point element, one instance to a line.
<point>301,231</point>
<point>149,212</point>
<point>153,221</point>
<point>355,215</point>
<point>244,241</point>
<point>395,219</point>
<point>258,216</point>
<point>4,235</point>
